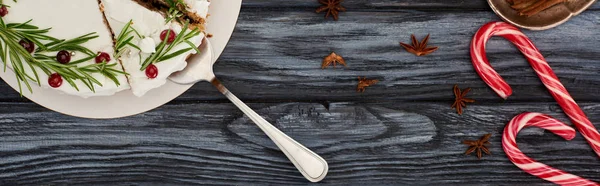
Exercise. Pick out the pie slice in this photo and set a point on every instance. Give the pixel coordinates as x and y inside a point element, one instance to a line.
<point>195,11</point>
<point>160,41</point>
<point>99,47</point>
<point>64,25</point>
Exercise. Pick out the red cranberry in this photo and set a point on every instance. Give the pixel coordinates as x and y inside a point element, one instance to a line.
<point>172,35</point>
<point>28,45</point>
<point>3,11</point>
<point>102,57</point>
<point>55,80</point>
<point>152,71</point>
<point>63,57</point>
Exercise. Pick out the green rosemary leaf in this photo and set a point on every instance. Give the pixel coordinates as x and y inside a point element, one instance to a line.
<point>59,65</point>
<point>111,77</point>
<point>42,57</point>
<point>92,65</point>
<point>192,33</point>
<point>14,65</point>
<point>24,25</point>
<point>114,71</point>
<point>5,53</point>
<point>82,60</point>
<point>21,67</point>
<point>193,46</point>
<point>72,83</point>
<point>2,23</point>
<point>134,46</point>
<point>2,55</point>
<point>92,85</point>
<point>19,82</point>
<point>111,65</point>
<point>74,44</point>
<point>20,76</point>
<point>89,77</point>
<point>50,44</point>
<point>21,26</point>
<point>121,44</point>
<point>124,30</point>
<point>89,85</point>
<point>102,66</point>
<point>45,70</point>
<point>34,31</point>
<point>70,73</point>
<point>174,54</point>
<point>37,78</point>
<point>44,37</point>
<point>136,33</point>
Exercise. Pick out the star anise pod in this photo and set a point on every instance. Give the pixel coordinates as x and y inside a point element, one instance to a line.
<point>333,8</point>
<point>363,83</point>
<point>532,7</point>
<point>459,99</point>
<point>419,48</point>
<point>478,146</point>
<point>333,58</point>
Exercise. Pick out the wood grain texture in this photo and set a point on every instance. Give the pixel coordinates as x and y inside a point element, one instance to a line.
<point>276,55</point>
<point>269,60</point>
<point>388,5</point>
<point>377,143</point>
<point>400,131</point>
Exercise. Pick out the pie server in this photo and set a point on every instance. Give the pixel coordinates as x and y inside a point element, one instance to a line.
<point>200,68</point>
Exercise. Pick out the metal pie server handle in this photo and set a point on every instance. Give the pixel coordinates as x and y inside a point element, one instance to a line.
<point>312,166</point>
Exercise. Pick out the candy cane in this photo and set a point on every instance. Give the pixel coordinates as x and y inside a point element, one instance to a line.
<point>541,67</point>
<point>529,165</point>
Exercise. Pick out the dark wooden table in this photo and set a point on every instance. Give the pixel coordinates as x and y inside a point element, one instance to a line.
<point>400,131</point>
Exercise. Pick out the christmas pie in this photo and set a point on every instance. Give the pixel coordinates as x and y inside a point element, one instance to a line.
<point>99,47</point>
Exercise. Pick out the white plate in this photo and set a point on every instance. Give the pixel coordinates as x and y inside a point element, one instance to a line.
<point>221,22</point>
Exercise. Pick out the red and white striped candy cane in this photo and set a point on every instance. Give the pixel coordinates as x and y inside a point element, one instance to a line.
<point>541,67</point>
<point>529,165</point>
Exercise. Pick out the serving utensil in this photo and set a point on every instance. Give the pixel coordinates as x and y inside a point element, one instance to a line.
<point>200,68</point>
<point>546,19</point>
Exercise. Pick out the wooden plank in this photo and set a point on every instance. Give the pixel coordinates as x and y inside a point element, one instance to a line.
<point>376,143</point>
<point>387,5</point>
<point>276,56</point>
<point>268,60</point>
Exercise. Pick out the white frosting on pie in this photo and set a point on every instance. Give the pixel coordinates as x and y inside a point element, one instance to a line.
<point>149,24</point>
<point>70,19</point>
<point>199,7</point>
<point>73,18</point>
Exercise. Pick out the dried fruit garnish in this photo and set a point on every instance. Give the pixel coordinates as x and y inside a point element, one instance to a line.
<point>332,58</point>
<point>478,145</point>
<point>460,101</point>
<point>363,83</point>
<point>532,7</point>
<point>419,48</point>
<point>333,8</point>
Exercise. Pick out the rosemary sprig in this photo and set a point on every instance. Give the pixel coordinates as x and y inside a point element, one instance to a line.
<point>20,59</point>
<point>174,13</point>
<point>163,50</point>
<point>124,39</point>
